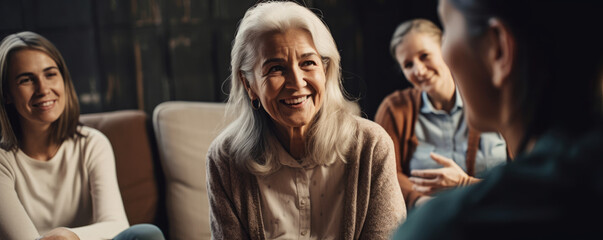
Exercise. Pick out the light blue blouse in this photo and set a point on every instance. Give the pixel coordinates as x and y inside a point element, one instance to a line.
<point>446,134</point>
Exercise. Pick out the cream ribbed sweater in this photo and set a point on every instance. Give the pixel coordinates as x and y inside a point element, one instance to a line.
<point>76,189</point>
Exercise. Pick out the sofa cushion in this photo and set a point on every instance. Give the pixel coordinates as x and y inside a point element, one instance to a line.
<point>184,131</point>
<point>128,132</point>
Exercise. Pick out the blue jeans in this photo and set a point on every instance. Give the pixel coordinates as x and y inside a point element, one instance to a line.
<point>141,232</point>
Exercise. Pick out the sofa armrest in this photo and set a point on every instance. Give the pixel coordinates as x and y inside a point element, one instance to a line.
<point>128,132</point>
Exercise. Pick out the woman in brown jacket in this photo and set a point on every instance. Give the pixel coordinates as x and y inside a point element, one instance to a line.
<point>435,149</point>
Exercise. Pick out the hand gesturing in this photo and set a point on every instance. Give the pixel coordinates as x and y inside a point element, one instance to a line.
<point>429,181</point>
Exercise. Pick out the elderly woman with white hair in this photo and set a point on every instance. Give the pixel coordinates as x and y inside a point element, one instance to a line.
<point>298,161</point>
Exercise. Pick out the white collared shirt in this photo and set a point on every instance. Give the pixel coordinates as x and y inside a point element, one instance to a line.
<point>302,201</point>
<point>447,133</point>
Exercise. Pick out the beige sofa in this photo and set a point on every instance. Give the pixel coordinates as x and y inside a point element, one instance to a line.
<point>184,131</point>
<point>161,163</point>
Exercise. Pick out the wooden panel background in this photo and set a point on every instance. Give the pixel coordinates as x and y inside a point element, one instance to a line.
<point>135,54</point>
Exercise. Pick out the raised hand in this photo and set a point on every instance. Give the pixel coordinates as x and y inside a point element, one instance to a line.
<point>429,181</point>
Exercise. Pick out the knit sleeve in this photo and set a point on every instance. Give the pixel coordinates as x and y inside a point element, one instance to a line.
<point>14,221</point>
<point>392,118</point>
<point>109,217</point>
<point>224,220</point>
<point>386,208</point>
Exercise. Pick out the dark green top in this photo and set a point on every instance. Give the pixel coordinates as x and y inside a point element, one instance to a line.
<point>555,191</point>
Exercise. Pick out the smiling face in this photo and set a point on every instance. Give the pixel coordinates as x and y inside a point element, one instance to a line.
<point>420,58</point>
<point>36,87</point>
<point>289,78</point>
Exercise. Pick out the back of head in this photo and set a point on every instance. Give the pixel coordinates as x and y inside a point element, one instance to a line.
<point>65,126</point>
<point>558,59</point>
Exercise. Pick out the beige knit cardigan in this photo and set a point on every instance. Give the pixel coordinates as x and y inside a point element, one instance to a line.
<point>374,205</point>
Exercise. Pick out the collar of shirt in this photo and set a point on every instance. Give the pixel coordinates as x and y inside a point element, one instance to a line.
<point>287,160</point>
<point>427,107</point>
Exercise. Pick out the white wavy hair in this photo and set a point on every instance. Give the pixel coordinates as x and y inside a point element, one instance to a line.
<point>250,141</point>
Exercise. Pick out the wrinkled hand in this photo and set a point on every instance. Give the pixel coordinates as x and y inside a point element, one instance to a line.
<point>59,234</point>
<point>429,181</point>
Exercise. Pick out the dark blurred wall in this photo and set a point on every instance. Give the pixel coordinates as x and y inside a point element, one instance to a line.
<point>129,54</point>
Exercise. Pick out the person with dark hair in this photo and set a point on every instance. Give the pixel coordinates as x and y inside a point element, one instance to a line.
<point>57,177</point>
<point>298,162</point>
<point>435,149</point>
<point>533,71</point>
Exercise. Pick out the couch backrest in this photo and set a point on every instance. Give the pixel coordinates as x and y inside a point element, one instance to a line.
<point>133,146</point>
<point>184,131</point>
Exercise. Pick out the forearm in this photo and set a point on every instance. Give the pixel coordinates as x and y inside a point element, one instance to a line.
<point>100,230</point>
<point>109,217</point>
<point>59,233</point>
<point>15,226</point>
<point>15,223</point>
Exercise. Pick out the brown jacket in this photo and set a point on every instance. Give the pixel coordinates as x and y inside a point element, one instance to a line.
<point>398,114</point>
<point>372,196</point>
